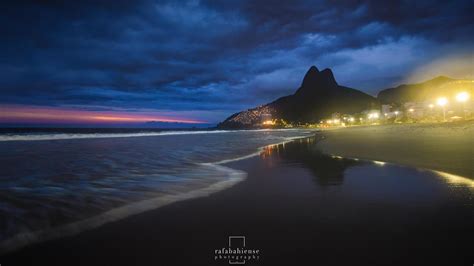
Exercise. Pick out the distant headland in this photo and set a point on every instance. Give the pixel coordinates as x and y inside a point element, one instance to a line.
<point>320,97</point>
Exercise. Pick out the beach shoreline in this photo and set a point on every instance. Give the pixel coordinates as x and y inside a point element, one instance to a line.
<point>444,147</point>
<point>290,207</point>
<point>234,176</point>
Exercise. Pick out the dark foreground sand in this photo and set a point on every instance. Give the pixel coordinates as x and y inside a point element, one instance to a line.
<point>298,207</point>
<point>447,147</point>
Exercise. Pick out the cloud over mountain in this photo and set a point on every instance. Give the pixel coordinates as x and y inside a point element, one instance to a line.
<point>215,56</point>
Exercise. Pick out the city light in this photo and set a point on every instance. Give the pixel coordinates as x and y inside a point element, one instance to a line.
<point>462,96</point>
<point>373,116</point>
<point>442,101</point>
<point>413,111</point>
<point>269,122</point>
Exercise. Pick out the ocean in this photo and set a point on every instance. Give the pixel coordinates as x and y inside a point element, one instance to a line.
<point>56,182</point>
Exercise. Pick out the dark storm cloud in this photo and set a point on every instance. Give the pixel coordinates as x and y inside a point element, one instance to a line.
<point>214,55</point>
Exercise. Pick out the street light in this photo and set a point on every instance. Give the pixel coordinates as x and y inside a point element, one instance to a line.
<point>442,101</point>
<point>462,97</point>
<point>396,115</point>
<point>373,116</point>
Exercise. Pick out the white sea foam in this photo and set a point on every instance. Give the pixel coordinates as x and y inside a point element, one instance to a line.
<point>59,136</point>
<point>27,238</point>
<point>259,150</point>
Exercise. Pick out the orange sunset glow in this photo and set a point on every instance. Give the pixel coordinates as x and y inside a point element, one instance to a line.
<point>34,114</point>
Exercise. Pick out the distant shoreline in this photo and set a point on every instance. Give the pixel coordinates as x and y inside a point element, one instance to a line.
<point>438,146</point>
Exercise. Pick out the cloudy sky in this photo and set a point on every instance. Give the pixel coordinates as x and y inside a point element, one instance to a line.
<point>200,61</point>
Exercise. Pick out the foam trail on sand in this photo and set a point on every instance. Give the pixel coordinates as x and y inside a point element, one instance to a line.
<point>23,239</point>
<point>259,150</point>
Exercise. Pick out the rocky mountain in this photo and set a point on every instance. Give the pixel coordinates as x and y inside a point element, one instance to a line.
<point>418,92</point>
<point>318,97</point>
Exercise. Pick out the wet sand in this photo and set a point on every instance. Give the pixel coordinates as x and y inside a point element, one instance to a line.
<point>447,147</point>
<point>297,207</point>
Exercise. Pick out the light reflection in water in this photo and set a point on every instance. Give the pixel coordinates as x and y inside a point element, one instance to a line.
<point>302,152</point>
<point>455,179</point>
<point>329,169</point>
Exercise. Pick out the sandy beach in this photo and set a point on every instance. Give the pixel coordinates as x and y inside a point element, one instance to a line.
<point>445,147</point>
<point>297,207</point>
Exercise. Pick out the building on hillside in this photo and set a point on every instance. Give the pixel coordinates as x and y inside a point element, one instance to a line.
<point>265,117</point>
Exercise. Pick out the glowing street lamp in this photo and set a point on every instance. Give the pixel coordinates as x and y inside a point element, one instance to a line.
<point>373,116</point>
<point>269,123</point>
<point>396,114</point>
<point>462,96</point>
<point>442,101</point>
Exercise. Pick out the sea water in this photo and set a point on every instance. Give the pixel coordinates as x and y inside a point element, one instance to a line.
<point>60,182</point>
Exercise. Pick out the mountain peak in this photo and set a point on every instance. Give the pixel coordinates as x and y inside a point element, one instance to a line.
<point>318,97</point>
<point>310,76</point>
<point>314,79</point>
<point>312,69</point>
<point>328,76</point>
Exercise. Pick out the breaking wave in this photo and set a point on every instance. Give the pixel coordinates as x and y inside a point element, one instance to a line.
<point>62,136</point>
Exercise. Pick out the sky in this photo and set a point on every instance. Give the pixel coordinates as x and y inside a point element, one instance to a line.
<point>201,61</point>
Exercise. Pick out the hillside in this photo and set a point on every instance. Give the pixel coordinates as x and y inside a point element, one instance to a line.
<point>424,91</point>
<point>318,97</point>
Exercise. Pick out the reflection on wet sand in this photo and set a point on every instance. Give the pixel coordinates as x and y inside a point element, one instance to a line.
<point>327,170</point>
<point>456,180</point>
